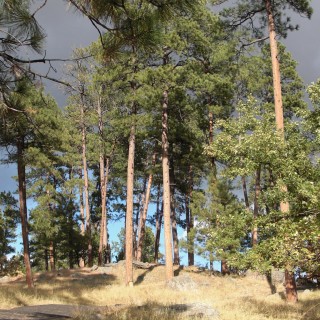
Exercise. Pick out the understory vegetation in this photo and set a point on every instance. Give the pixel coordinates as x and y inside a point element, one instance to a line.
<point>184,121</point>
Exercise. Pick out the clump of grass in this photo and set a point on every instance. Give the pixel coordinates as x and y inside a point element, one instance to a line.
<point>233,298</point>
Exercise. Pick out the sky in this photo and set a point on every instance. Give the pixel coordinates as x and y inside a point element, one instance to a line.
<point>67,30</point>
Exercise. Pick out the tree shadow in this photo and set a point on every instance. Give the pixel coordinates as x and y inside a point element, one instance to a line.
<point>270,283</point>
<point>70,290</point>
<point>177,271</point>
<point>305,309</point>
<point>142,276</point>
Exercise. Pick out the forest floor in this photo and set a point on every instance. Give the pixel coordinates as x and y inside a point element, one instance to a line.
<point>88,294</point>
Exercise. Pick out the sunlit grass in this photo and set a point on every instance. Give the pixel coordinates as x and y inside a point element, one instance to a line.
<point>234,298</point>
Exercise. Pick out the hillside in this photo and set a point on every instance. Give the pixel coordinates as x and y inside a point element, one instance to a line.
<point>193,293</point>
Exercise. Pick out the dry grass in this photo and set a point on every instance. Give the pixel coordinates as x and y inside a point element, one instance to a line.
<point>234,298</point>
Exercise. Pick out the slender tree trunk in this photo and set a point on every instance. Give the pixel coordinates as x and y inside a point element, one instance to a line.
<point>86,189</point>
<point>51,256</point>
<point>189,220</point>
<point>189,223</point>
<point>245,193</point>
<point>137,220</point>
<point>129,213</point>
<point>166,188</point>
<point>23,210</point>
<point>175,239</point>
<point>284,205</point>
<point>104,171</point>
<point>46,260</point>
<point>82,218</point>
<point>143,217</point>
<point>51,208</point>
<point>257,191</point>
<point>159,215</point>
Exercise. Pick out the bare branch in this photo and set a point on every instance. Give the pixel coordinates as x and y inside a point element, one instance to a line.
<point>42,60</point>
<point>45,2</point>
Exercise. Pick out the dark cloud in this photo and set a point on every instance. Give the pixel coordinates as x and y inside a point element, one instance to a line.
<point>304,44</point>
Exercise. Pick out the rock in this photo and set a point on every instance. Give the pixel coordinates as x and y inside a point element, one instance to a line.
<point>195,310</point>
<point>306,292</point>
<point>104,269</point>
<point>94,268</point>
<point>4,279</point>
<point>143,265</point>
<point>182,283</point>
<point>277,276</point>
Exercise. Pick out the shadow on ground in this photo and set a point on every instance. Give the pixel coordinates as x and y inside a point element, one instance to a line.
<point>276,308</point>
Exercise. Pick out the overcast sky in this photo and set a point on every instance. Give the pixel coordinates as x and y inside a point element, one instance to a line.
<point>67,30</point>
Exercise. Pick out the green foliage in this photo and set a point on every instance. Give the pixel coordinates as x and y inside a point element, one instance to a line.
<point>9,216</point>
<point>221,221</point>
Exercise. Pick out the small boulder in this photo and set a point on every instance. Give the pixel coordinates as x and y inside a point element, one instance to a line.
<point>4,279</point>
<point>94,268</point>
<point>182,283</point>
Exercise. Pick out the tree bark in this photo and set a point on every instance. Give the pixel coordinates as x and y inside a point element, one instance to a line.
<point>51,256</point>
<point>290,285</point>
<point>159,215</point>
<point>257,191</point>
<point>137,220</point>
<point>143,217</point>
<point>166,188</point>
<point>104,174</point>
<point>224,267</point>
<point>278,106</point>
<point>82,218</point>
<point>189,220</point>
<point>291,290</point>
<point>245,193</point>
<point>129,212</point>
<point>86,189</point>
<point>46,261</point>
<point>23,210</point>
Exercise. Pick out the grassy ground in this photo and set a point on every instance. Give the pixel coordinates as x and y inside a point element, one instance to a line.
<point>234,298</point>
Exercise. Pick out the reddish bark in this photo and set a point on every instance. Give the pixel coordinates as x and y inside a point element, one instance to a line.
<point>291,288</point>
<point>129,212</point>
<point>23,211</point>
<point>166,188</point>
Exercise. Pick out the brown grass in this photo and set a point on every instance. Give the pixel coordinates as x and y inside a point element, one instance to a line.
<point>234,298</point>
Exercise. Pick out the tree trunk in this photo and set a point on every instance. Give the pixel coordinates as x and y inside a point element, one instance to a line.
<point>175,239</point>
<point>159,215</point>
<point>143,217</point>
<point>257,190</point>
<point>86,189</point>
<point>290,285</point>
<point>129,212</point>
<point>23,210</point>
<point>291,290</point>
<point>189,223</point>
<point>82,219</point>
<point>189,220</point>
<point>104,174</point>
<point>245,193</point>
<point>284,205</point>
<point>46,261</point>
<point>224,267</point>
<point>166,188</point>
<point>51,257</point>
<point>137,220</point>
